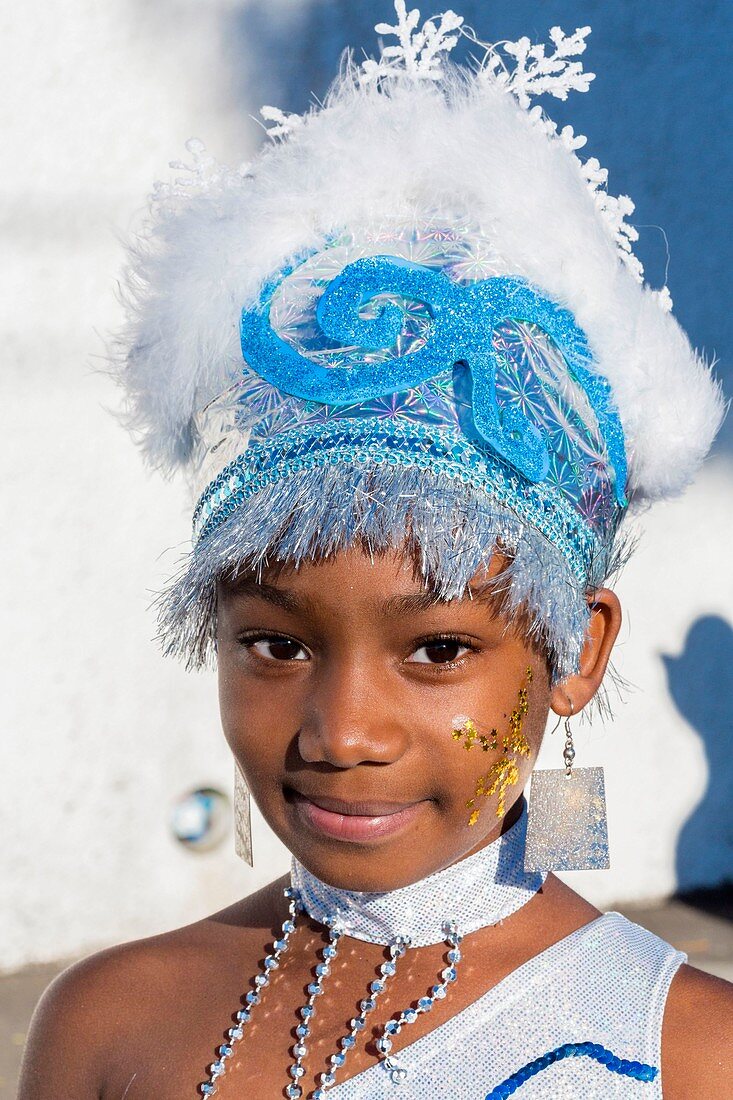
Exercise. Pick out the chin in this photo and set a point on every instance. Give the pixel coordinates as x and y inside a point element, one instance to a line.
<point>363,872</point>
<point>376,868</point>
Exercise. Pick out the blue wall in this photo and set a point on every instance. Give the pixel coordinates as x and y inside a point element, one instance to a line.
<point>658,116</point>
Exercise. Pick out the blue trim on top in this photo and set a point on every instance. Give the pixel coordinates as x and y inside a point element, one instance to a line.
<point>639,1071</point>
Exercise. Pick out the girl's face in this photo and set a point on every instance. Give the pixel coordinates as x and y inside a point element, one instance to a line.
<point>345,687</point>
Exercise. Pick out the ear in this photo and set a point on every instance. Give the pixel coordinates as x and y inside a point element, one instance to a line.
<point>570,696</point>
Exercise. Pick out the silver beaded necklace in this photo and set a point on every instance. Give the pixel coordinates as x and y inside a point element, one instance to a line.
<point>488,886</point>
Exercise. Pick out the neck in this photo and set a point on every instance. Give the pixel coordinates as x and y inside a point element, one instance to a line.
<point>476,892</point>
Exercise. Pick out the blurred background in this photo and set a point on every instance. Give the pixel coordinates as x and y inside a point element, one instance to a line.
<point>116,782</point>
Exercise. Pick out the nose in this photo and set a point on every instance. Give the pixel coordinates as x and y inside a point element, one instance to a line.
<point>352,719</point>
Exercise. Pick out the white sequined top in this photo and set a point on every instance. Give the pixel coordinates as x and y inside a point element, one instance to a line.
<point>605,984</point>
<point>582,1020</point>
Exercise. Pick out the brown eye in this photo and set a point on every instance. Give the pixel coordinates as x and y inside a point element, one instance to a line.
<point>277,648</point>
<point>441,651</point>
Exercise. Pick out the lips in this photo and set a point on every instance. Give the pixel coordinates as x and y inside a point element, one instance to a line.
<point>359,821</point>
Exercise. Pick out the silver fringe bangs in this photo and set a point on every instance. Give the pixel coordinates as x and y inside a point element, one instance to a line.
<point>449,528</point>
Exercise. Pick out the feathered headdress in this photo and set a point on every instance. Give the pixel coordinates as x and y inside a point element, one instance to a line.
<point>414,320</point>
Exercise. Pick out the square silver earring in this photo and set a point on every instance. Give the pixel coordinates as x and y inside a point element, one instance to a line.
<point>567,828</point>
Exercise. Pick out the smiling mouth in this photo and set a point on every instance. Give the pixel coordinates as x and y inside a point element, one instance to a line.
<point>353,821</point>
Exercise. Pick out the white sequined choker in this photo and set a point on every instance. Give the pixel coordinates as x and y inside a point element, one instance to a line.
<point>479,891</point>
<point>475,892</point>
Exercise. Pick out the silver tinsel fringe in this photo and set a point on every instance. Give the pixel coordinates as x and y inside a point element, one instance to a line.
<point>449,528</point>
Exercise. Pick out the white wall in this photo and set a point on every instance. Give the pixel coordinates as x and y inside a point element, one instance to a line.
<point>100,734</point>
<point>656,758</point>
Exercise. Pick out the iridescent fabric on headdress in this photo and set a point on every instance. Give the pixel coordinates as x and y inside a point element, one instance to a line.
<point>428,398</point>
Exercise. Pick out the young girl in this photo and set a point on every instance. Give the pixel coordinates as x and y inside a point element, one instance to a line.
<point>409,358</point>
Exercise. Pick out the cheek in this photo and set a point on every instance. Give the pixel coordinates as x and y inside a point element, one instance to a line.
<point>256,724</point>
<point>233,703</point>
<point>493,755</point>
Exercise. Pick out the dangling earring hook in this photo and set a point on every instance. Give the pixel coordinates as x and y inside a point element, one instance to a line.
<point>568,754</point>
<point>559,720</point>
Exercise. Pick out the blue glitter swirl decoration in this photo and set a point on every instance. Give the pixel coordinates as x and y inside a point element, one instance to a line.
<point>491,359</point>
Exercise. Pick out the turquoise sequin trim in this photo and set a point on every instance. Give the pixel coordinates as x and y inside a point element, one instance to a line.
<point>406,445</point>
<point>639,1071</point>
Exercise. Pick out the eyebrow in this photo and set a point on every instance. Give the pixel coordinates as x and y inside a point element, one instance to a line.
<point>424,601</point>
<point>261,590</point>
<point>413,602</point>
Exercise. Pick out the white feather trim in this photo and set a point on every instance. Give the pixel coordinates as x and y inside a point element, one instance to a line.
<point>454,146</point>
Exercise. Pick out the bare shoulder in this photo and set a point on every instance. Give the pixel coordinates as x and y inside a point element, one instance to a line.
<point>570,910</point>
<point>697,1037</point>
<point>117,993</point>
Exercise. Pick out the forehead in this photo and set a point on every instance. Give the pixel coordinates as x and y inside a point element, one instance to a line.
<point>385,583</point>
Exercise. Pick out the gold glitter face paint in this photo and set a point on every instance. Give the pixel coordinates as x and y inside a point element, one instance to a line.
<point>504,772</point>
<point>465,729</point>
